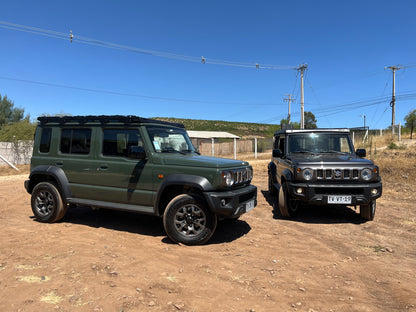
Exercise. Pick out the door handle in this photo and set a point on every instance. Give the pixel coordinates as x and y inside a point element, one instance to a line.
<point>59,163</point>
<point>103,167</point>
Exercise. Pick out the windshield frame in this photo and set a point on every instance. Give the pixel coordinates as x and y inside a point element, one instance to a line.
<point>160,135</point>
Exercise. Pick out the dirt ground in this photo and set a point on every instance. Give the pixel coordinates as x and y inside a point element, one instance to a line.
<point>328,259</point>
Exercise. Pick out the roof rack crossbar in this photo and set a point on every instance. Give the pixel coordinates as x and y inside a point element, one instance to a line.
<point>104,119</point>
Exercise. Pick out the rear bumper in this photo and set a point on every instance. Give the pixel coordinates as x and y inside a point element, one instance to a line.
<point>232,204</point>
<point>27,185</point>
<point>361,194</point>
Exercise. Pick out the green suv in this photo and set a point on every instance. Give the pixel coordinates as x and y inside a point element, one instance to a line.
<point>135,164</point>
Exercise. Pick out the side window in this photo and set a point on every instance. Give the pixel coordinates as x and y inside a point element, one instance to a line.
<point>117,141</point>
<point>45,140</point>
<point>275,142</point>
<point>281,145</point>
<point>75,141</point>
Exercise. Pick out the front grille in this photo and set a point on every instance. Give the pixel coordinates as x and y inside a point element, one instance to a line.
<point>242,175</point>
<point>337,174</point>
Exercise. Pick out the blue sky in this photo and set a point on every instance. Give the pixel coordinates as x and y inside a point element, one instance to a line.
<point>347,46</point>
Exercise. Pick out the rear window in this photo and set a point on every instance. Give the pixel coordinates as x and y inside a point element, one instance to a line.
<point>45,140</point>
<point>75,141</point>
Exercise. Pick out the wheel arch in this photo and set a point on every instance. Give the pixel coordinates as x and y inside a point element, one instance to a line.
<point>286,176</point>
<point>54,174</point>
<point>272,170</point>
<point>177,184</point>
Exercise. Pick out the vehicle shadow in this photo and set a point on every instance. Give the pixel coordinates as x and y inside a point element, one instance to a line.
<point>124,221</point>
<point>142,224</point>
<point>228,231</point>
<point>331,214</point>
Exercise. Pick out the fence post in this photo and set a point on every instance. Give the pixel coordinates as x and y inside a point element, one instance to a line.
<point>255,147</point>
<point>235,148</point>
<point>400,131</point>
<point>212,147</point>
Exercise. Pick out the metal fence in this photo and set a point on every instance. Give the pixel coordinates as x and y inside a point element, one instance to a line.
<point>222,149</point>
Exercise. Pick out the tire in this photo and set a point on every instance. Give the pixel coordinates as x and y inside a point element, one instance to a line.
<point>288,207</point>
<point>367,212</point>
<point>47,204</point>
<point>188,220</point>
<point>272,189</point>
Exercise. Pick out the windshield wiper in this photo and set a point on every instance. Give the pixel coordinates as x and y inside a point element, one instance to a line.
<point>171,150</point>
<point>302,152</point>
<point>333,152</point>
<point>189,151</point>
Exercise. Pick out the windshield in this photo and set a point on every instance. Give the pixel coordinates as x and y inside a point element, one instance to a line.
<point>319,143</point>
<point>167,139</point>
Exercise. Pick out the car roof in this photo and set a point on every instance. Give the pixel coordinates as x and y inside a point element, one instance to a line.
<point>321,130</point>
<point>104,119</point>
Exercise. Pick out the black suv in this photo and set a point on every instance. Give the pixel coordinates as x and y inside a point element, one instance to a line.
<point>320,166</point>
<point>135,164</point>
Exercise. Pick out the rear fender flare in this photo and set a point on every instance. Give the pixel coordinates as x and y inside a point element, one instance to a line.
<point>48,173</point>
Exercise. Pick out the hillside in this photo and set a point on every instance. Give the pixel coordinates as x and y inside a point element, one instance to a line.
<point>241,129</point>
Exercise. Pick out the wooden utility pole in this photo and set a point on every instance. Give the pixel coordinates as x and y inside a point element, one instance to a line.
<point>393,98</point>
<point>302,68</point>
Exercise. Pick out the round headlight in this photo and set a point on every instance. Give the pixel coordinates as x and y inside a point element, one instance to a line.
<point>307,174</point>
<point>366,174</point>
<point>228,178</point>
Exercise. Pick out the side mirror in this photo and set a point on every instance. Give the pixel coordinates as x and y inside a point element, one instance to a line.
<point>361,152</point>
<point>277,153</point>
<point>136,152</point>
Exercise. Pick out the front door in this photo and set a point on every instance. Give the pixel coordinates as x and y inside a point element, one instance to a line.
<point>118,178</point>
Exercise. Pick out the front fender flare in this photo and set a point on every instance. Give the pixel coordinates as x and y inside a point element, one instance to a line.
<point>187,180</point>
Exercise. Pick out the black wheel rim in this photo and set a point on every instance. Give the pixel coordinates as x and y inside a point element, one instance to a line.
<point>44,203</point>
<point>190,220</point>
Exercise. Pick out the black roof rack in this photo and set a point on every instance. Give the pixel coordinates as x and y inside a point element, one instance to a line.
<point>105,119</point>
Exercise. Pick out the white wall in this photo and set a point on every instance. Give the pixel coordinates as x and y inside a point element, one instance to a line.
<point>17,154</point>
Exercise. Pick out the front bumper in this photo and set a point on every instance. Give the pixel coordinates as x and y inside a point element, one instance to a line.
<point>361,194</point>
<point>232,204</point>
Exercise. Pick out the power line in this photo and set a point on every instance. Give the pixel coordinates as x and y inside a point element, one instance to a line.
<point>49,84</point>
<point>341,108</point>
<point>84,40</point>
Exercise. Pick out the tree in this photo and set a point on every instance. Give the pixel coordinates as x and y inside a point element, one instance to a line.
<point>411,121</point>
<point>295,125</point>
<point>13,132</point>
<point>310,121</point>
<point>9,113</point>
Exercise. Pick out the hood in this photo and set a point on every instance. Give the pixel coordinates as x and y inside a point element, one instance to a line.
<point>194,160</point>
<point>334,159</point>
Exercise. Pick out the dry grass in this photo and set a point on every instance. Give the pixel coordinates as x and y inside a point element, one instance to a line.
<point>397,169</point>
<point>7,171</point>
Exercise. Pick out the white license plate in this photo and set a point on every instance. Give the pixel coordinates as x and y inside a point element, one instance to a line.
<point>336,199</point>
<point>249,205</point>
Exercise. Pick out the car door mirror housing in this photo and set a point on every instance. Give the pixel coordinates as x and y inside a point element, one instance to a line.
<point>277,153</point>
<point>361,152</point>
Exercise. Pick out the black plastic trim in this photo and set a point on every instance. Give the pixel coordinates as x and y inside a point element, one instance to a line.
<point>56,173</point>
